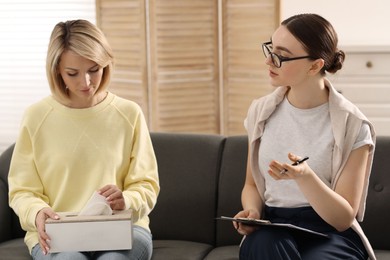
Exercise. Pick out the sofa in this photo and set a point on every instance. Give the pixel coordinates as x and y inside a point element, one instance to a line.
<point>201,178</point>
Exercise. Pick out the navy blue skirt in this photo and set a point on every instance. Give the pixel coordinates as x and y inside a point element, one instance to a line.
<point>282,243</point>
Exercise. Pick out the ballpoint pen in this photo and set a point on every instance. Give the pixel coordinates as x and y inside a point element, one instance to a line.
<point>295,164</point>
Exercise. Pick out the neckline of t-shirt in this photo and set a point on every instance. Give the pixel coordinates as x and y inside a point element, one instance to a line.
<point>305,110</point>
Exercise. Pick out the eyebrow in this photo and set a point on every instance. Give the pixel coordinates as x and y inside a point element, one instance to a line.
<point>94,66</point>
<point>281,48</point>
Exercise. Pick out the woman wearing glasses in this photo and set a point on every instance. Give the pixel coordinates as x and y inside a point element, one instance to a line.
<point>306,117</point>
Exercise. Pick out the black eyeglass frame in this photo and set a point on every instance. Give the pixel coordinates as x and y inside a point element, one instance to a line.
<point>281,58</point>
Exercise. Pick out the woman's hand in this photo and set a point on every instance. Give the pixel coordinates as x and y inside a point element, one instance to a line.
<point>292,172</point>
<point>40,221</point>
<point>245,229</point>
<point>113,196</point>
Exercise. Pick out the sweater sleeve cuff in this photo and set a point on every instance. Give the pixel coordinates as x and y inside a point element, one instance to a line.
<point>30,224</point>
<point>127,202</point>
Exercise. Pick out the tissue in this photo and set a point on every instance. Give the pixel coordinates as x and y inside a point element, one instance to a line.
<point>96,205</point>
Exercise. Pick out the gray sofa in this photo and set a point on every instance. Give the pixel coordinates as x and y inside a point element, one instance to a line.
<point>201,178</point>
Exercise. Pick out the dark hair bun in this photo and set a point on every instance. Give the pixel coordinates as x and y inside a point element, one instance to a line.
<point>338,61</point>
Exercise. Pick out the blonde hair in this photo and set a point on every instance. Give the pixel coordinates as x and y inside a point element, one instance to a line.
<point>85,39</point>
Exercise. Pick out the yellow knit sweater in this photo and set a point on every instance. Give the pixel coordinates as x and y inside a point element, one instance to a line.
<point>63,155</point>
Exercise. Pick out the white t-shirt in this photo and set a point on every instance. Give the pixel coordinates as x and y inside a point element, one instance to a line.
<point>304,132</point>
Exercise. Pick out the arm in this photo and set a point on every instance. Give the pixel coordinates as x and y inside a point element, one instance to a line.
<point>338,207</point>
<point>140,184</point>
<point>26,196</point>
<point>137,185</point>
<point>251,202</point>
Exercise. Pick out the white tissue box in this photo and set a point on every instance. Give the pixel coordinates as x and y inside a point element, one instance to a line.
<point>90,233</point>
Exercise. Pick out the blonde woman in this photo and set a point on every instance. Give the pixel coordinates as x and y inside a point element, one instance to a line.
<point>79,140</point>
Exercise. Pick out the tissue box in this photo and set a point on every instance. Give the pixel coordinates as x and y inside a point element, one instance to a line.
<point>90,233</point>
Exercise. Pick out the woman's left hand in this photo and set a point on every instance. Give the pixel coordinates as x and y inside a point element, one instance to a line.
<point>292,172</point>
<point>113,196</point>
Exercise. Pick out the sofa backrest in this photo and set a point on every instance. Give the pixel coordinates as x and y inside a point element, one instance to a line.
<point>231,182</point>
<point>188,171</point>
<point>377,212</point>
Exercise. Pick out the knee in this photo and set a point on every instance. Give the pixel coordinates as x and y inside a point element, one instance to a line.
<point>266,237</point>
<point>142,244</point>
<point>37,254</point>
<point>69,256</point>
<point>268,244</point>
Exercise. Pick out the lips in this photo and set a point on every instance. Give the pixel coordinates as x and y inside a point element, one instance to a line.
<point>272,74</point>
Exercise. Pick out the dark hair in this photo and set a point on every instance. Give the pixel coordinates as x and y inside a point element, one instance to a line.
<point>318,38</point>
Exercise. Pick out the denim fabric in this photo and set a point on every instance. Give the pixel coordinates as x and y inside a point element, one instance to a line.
<point>142,250</point>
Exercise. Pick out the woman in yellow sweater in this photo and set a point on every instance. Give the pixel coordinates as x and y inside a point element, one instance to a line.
<point>79,140</point>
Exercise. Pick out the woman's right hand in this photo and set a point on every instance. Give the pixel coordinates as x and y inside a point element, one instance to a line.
<point>245,229</point>
<point>40,221</point>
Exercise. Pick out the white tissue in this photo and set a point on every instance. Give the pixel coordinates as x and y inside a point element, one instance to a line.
<point>96,205</point>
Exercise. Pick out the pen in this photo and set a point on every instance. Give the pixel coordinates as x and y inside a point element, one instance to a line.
<point>296,163</point>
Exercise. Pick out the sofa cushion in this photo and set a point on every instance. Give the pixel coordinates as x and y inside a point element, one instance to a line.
<point>179,250</point>
<point>224,253</point>
<point>14,249</point>
<point>382,254</point>
<point>188,168</point>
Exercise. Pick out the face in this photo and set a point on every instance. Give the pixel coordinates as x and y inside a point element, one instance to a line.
<point>82,78</point>
<point>291,72</point>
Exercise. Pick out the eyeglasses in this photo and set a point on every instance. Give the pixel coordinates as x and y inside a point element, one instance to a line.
<point>278,59</point>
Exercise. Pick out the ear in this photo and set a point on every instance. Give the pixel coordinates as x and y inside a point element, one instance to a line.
<point>316,66</point>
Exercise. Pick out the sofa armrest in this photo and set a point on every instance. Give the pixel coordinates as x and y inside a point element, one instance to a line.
<point>9,222</point>
<point>5,210</point>
<point>378,209</point>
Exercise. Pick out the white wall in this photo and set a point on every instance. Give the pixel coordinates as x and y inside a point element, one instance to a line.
<point>25,28</point>
<point>357,22</point>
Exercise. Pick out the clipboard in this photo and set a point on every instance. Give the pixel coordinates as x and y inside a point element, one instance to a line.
<point>262,222</point>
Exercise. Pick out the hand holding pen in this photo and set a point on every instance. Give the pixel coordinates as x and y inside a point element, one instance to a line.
<point>295,164</point>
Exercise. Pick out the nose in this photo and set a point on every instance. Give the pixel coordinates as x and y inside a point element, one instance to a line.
<point>86,80</point>
<point>268,61</point>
